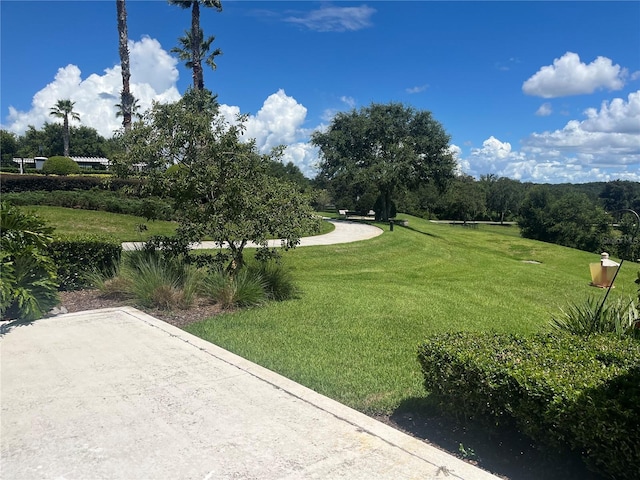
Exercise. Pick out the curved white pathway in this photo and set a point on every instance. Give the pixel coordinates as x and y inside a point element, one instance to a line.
<point>344,232</point>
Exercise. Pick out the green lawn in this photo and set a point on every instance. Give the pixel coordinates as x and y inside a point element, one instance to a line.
<point>123,228</point>
<point>366,306</point>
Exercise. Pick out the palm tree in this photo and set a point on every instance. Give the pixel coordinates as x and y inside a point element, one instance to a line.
<point>64,109</point>
<point>126,99</point>
<point>134,110</point>
<point>196,32</point>
<point>186,53</point>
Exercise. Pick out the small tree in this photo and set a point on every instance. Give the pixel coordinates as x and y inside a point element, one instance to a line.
<point>221,185</point>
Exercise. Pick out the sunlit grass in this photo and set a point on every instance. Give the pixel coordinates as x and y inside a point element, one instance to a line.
<point>365,306</point>
<point>123,228</point>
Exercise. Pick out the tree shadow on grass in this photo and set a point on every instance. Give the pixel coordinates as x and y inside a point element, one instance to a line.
<point>408,227</point>
<point>501,450</point>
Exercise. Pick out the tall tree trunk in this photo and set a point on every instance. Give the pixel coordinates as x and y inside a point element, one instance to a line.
<point>65,135</point>
<point>126,99</point>
<point>387,205</point>
<point>196,41</point>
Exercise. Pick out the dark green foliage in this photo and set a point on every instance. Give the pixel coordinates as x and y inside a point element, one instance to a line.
<point>562,390</point>
<point>28,286</point>
<point>222,189</point>
<point>96,199</point>
<point>8,148</point>
<point>277,280</point>
<point>26,183</point>
<point>390,147</point>
<point>571,220</point>
<point>380,208</point>
<point>78,257</point>
<point>48,141</point>
<point>60,166</point>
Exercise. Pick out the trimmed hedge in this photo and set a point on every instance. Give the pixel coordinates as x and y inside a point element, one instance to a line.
<point>561,390</point>
<point>60,166</point>
<point>10,183</point>
<point>94,199</point>
<point>78,257</point>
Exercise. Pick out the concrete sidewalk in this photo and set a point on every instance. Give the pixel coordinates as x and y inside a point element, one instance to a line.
<point>344,232</point>
<point>118,394</point>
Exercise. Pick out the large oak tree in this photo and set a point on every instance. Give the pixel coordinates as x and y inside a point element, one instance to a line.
<point>390,146</point>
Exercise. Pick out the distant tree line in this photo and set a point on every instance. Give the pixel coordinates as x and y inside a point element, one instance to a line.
<point>49,141</point>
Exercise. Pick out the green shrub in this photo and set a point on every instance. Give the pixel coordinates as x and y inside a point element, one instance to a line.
<point>243,289</point>
<point>77,258</point>
<point>28,286</point>
<point>277,280</point>
<point>60,166</point>
<point>25,183</point>
<point>617,316</point>
<point>562,390</point>
<point>95,199</point>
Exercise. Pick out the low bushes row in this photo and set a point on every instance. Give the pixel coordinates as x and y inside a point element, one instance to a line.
<point>96,199</point>
<point>564,391</point>
<point>78,258</point>
<point>26,183</point>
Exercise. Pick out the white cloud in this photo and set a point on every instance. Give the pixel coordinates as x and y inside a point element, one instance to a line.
<point>153,78</point>
<point>417,89</point>
<point>349,101</point>
<point>617,116</point>
<point>279,122</point>
<point>335,19</point>
<point>569,76</point>
<point>544,110</point>
<point>605,146</point>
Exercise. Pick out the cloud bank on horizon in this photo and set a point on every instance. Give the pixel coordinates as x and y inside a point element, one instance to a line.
<point>603,145</point>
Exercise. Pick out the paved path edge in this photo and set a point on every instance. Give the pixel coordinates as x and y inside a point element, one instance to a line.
<point>450,465</point>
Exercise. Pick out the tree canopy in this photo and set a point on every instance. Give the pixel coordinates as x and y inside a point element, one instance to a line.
<point>390,146</point>
<point>221,186</point>
<point>571,220</point>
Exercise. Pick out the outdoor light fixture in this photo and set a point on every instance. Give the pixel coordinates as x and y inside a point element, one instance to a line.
<point>632,239</point>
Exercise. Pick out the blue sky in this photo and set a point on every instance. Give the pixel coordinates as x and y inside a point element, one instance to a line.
<point>546,92</point>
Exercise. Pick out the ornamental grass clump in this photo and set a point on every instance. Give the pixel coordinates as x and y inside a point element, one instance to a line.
<point>278,280</point>
<point>152,280</point>
<point>243,288</point>
<point>618,316</point>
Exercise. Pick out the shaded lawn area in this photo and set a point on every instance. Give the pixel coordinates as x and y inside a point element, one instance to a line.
<point>353,333</point>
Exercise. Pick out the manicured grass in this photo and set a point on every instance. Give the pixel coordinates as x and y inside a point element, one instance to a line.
<point>365,307</point>
<point>123,228</point>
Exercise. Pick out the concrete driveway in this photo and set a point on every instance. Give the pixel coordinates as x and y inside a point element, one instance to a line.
<point>118,394</point>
